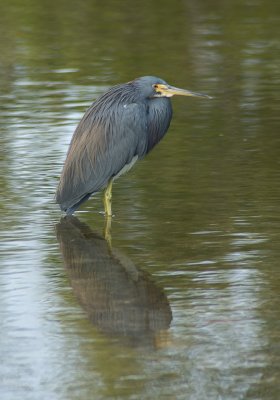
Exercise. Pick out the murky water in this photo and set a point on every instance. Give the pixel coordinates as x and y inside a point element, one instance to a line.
<point>184,304</point>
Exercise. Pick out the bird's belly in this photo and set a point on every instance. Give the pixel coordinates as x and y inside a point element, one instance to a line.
<point>126,168</point>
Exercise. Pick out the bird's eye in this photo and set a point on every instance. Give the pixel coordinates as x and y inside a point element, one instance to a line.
<point>157,90</point>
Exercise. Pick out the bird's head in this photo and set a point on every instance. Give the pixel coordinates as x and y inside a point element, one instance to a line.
<point>152,87</point>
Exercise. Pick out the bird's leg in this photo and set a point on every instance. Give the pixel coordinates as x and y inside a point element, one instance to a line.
<point>108,212</point>
<point>108,199</point>
<point>107,231</point>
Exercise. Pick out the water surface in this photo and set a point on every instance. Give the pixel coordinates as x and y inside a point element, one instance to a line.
<point>184,303</point>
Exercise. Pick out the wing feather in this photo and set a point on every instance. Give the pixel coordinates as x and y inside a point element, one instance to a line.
<point>100,148</point>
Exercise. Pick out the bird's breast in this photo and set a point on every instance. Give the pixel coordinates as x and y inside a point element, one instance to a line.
<point>126,167</point>
<point>159,117</point>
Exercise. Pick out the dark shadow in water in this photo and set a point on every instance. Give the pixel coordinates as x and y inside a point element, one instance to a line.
<point>120,299</point>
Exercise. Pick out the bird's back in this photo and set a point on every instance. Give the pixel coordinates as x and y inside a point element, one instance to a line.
<point>117,127</point>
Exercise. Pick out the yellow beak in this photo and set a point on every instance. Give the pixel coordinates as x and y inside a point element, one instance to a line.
<point>169,91</point>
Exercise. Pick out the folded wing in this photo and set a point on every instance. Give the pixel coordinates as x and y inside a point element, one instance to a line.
<point>101,148</point>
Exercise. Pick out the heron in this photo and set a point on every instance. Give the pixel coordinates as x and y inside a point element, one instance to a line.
<point>119,128</point>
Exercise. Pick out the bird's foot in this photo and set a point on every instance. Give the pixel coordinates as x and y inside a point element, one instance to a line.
<point>106,215</point>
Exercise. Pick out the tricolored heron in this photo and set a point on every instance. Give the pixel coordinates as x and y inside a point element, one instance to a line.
<point>119,128</point>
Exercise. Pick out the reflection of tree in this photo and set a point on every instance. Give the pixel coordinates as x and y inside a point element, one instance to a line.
<point>118,297</point>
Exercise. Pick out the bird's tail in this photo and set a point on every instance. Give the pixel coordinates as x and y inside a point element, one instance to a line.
<point>72,209</point>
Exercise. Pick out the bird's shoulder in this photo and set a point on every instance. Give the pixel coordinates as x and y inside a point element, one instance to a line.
<point>129,128</point>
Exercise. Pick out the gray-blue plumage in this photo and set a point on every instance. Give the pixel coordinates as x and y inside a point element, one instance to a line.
<point>124,124</point>
<point>119,128</point>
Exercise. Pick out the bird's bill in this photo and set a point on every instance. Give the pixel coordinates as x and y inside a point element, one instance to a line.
<point>169,91</point>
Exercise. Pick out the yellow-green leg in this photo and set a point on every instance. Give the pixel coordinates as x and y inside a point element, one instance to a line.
<point>107,231</point>
<point>108,199</point>
<point>108,212</point>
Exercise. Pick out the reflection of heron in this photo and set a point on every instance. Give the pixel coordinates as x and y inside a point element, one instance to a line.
<point>119,298</point>
<point>120,127</point>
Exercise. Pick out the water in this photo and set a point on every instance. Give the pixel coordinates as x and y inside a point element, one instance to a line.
<point>185,301</point>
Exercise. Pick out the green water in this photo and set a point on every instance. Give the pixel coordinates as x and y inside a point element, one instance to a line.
<point>185,304</point>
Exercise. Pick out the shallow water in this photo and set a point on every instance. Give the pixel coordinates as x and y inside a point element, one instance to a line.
<point>184,303</point>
